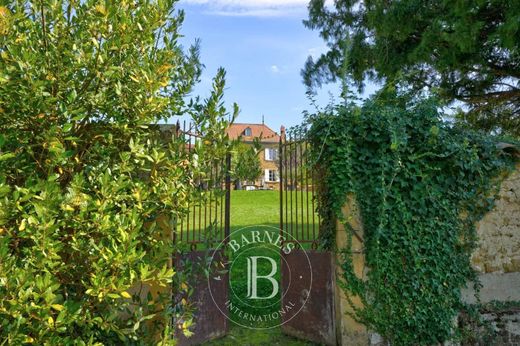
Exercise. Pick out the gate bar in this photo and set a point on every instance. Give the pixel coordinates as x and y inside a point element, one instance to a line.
<point>280,174</point>
<point>227,213</point>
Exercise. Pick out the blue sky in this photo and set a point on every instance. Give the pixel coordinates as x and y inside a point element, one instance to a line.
<point>263,45</point>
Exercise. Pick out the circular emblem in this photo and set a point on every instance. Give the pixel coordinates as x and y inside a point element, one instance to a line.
<point>268,273</point>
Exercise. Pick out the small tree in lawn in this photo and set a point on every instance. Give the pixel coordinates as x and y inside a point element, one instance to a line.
<point>86,189</point>
<point>246,163</point>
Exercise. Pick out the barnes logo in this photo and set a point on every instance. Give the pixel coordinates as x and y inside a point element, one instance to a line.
<point>264,291</point>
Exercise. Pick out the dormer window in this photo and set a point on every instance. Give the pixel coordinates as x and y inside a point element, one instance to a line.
<point>247,132</point>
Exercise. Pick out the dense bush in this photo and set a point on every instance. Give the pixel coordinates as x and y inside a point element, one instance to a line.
<point>83,178</point>
<point>421,185</point>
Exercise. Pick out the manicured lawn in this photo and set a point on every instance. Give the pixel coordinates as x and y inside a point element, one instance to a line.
<point>250,208</point>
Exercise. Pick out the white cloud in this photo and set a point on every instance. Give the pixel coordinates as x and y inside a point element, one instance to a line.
<point>256,8</point>
<point>275,69</point>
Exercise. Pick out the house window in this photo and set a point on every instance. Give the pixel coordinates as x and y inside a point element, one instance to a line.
<point>271,154</point>
<point>271,175</point>
<point>247,132</point>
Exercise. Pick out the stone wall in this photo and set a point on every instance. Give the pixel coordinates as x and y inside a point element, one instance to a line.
<point>498,327</point>
<point>499,232</point>
<point>497,259</point>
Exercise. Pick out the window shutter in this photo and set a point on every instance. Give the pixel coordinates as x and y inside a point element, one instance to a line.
<point>266,175</point>
<point>266,151</point>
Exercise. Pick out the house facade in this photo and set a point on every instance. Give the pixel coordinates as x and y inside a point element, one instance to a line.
<point>269,141</point>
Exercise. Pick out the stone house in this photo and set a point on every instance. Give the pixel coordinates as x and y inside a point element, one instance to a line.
<point>269,141</point>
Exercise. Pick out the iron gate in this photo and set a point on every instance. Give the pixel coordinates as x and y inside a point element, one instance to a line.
<point>206,224</point>
<point>299,220</point>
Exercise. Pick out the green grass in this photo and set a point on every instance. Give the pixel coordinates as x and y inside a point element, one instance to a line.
<point>238,336</point>
<point>250,208</point>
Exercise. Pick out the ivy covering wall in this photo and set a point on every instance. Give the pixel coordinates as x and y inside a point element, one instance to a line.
<point>421,185</point>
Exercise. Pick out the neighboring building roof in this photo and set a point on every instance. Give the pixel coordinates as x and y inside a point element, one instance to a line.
<point>257,130</point>
<point>235,131</point>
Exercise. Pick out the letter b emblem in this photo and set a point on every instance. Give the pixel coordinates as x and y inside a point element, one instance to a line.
<point>253,277</point>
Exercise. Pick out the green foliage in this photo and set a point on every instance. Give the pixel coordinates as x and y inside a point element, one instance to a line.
<point>465,51</point>
<point>246,163</point>
<point>89,193</point>
<point>421,185</point>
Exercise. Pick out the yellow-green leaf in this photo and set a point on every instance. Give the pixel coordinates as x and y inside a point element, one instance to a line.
<point>57,307</point>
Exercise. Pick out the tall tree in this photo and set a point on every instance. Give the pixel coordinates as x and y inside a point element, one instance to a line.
<point>467,51</point>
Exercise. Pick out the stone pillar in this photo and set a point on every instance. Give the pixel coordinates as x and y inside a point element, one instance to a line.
<point>349,331</point>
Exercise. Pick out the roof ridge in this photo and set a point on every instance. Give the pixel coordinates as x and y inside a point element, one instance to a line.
<point>248,124</point>
<point>255,124</point>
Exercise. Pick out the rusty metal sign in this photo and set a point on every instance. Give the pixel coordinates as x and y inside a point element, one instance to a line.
<point>316,320</point>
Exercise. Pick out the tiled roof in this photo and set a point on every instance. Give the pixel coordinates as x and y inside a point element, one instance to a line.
<point>257,130</point>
